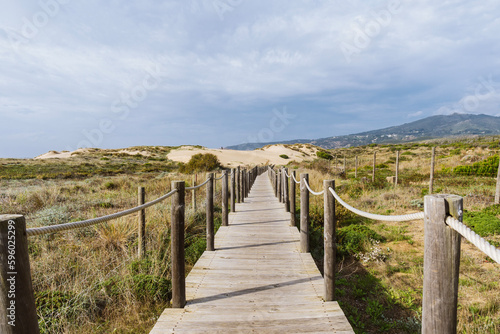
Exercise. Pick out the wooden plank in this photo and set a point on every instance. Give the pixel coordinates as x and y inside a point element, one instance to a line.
<point>256,280</point>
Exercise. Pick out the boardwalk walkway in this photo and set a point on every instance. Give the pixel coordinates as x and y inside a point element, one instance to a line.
<point>256,281</point>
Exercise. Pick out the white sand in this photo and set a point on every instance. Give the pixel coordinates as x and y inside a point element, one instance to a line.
<point>267,155</point>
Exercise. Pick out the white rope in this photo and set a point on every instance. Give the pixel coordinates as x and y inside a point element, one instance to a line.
<point>293,177</point>
<point>220,178</point>
<point>312,191</point>
<point>93,221</point>
<point>408,217</point>
<point>474,238</point>
<point>198,186</point>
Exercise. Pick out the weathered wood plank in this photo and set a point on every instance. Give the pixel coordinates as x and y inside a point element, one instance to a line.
<point>256,280</point>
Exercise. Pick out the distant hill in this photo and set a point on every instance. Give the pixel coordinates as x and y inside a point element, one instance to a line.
<point>427,128</point>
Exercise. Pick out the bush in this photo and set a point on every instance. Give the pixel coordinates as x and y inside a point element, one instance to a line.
<point>488,167</point>
<point>354,239</point>
<point>284,156</point>
<point>484,222</point>
<point>324,155</point>
<point>200,163</point>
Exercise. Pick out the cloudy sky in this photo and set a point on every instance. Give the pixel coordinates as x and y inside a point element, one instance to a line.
<point>119,73</point>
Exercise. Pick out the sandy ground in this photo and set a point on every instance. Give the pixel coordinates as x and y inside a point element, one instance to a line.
<point>267,155</point>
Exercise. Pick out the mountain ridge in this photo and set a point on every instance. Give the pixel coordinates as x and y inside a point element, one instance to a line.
<point>433,127</point>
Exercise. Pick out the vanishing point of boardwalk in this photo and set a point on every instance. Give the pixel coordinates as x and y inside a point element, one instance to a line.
<point>256,281</point>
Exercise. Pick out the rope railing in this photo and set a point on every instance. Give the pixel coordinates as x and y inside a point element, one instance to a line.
<point>93,221</point>
<point>407,217</point>
<point>312,191</point>
<point>220,178</point>
<point>474,238</point>
<point>198,186</point>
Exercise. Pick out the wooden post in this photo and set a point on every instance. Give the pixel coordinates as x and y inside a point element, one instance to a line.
<point>286,192</point>
<point>431,180</point>
<point>225,199</point>
<point>356,168</point>
<point>374,163</point>
<point>195,180</point>
<point>497,192</point>
<point>141,198</point>
<point>17,302</point>
<point>292,199</point>
<point>280,180</point>
<point>210,212</point>
<point>177,246</point>
<point>441,264</point>
<point>215,186</point>
<point>243,185</point>
<point>238,194</point>
<point>304,214</point>
<point>233,190</point>
<point>397,169</point>
<point>276,183</point>
<point>345,170</point>
<point>329,241</point>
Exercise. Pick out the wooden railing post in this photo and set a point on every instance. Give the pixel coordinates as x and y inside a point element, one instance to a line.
<point>233,190</point>
<point>195,179</point>
<point>497,192</point>
<point>243,185</point>
<point>374,164</point>
<point>238,183</point>
<point>431,179</point>
<point>356,168</point>
<point>141,198</point>
<point>292,199</point>
<point>177,245</point>
<point>286,195</point>
<point>17,303</point>
<point>275,177</point>
<point>441,264</point>
<point>280,181</point>
<point>397,169</point>
<point>210,212</point>
<point>225,199</point>
<point>329,241</point>
<point>304,214</point>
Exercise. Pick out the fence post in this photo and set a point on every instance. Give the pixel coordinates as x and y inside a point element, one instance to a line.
<point>280,182</point>
<point>329,241</point>
<point>225,199</point>
<point>431,180</point>
<point>441,264</point>
<point>195,179</point>
<point>292,199</point>
<point>275,177</point>
<point>141,198</point>
<point>345,167</point>
<point>497,192</point>
<point>304,214</point>
<point>397,169</point>
<point>374,163</point>
<point>238,197</point>
<point>356,168</point>
<point>287,192</point>
<point>233,190</point>
<point>215,186</point>
<point>177,246</point>
<point>210,212</point>
<point>17,302</point>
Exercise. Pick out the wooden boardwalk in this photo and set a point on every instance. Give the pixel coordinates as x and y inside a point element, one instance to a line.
<point>256,281</point>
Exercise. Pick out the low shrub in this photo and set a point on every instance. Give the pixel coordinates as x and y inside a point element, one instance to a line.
<point>353,239</point>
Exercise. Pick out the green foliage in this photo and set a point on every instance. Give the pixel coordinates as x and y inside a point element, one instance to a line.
<point>151,288</point>
<point>324,155</point>
<point>284,156</point>
<point>354,239</point>
<point>488,167</point>
<point>485,222</point>
<point>200,163</point>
